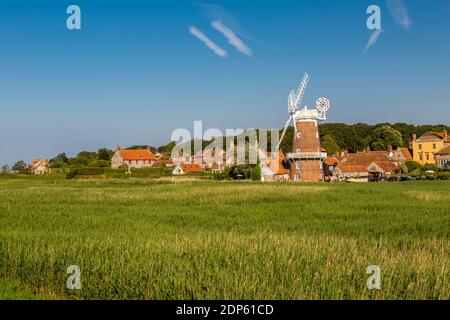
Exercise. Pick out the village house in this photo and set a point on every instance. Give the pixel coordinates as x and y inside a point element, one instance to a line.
<point>39,166</point>
<point>400,155</point>
<point>211,157</point>
<point>142,158</point>
<point>187,168</point>
<point>442,157</point>
<point>365,166</point>
<point>274,166</point>
<point>329,164</point>
<point>427,145</point>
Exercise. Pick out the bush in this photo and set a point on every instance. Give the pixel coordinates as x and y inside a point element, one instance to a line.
<point>412,165</point>
<point>256,173</point>
<point>100,164</point>
<point>71,173</point>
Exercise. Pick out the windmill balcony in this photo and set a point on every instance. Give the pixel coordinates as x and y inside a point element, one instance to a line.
<point>307,155</point>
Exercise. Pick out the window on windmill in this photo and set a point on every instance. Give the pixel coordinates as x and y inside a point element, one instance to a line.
<point>297,164</point>
<point>317,134</point>
<point>299,134</point>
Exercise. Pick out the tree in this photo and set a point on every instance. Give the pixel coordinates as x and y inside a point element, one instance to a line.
<point>256,173</point>
<point>20,167</point>
<point>59,161</point>
<point>384,136</point>
<point>5,169</point>
<point>104,154</point>
<point>330,145</point>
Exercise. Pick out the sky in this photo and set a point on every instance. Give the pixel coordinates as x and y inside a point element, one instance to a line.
<point>138,70</point>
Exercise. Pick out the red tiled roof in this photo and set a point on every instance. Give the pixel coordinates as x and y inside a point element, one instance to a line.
<point>406,153</point>
<point>349,167</point>
<point>143,154</point>
<point>191,168</point>
<point>331,161</point>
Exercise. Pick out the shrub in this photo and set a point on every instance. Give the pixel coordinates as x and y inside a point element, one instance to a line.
<point>100,164</point>
<point>412,165</point>
<point>256,173</point>
<point>71,173</point>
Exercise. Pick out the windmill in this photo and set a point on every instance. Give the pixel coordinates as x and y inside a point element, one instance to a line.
<point>307,155</point>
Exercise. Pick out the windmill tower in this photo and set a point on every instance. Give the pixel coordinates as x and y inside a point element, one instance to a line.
<point>306,157</point>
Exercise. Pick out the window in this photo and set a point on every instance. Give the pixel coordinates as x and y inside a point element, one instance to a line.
<point>299,134</point>
<point>434,146</point>
<point>317,134</point>
<point>428,156</point>
<point>298,150</point>
<point>297,164</point>
<point>420,157</point>
<point>420,146</point>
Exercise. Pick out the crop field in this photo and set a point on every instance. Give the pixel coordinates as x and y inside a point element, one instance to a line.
<point>187,239</point>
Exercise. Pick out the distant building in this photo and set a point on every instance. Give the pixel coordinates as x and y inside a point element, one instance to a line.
<point>142,158</point>
<point>427,145</point>
<point>307,155</point>
<point>442,157</point>
<point>274,166</point>
<point>187,168</point>
<point>365,166</point>
<point>329,164</point>
<point>400,156</point>
<point>39,166</point>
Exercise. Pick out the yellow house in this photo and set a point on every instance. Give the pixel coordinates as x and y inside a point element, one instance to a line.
<point>427,145</point>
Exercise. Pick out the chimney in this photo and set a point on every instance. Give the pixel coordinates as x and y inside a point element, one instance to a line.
<point>414,137</point>
<point>118,148</point>
<point>445,136</point>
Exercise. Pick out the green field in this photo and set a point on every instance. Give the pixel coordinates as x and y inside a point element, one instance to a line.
<point>164,239</point>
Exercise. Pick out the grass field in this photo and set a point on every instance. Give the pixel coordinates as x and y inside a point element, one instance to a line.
<point>156,239</point>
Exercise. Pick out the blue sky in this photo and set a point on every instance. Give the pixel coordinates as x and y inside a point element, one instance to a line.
<point>134,72</point>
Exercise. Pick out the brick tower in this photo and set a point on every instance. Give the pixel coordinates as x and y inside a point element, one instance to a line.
<point>306,157</point>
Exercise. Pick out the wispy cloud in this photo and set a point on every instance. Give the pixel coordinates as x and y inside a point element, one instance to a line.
<point>208,42</point>
<point>400,13</point>
<point>373,39</point>
<point>232,38</point>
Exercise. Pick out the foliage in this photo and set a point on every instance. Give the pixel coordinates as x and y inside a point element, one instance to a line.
<point>256,173</point>
<point>72,173</point>
<point>165,170</point>
<point>412,165</point>
<point>100,163</point>
<point>403,168</point>
<point>20,167</point>
<point>383,137</point>
<point>330,145</point>
<point>104,154</point>
<point>5,169</point>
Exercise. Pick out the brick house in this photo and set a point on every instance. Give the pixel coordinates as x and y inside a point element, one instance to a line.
<point>142,158</point>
